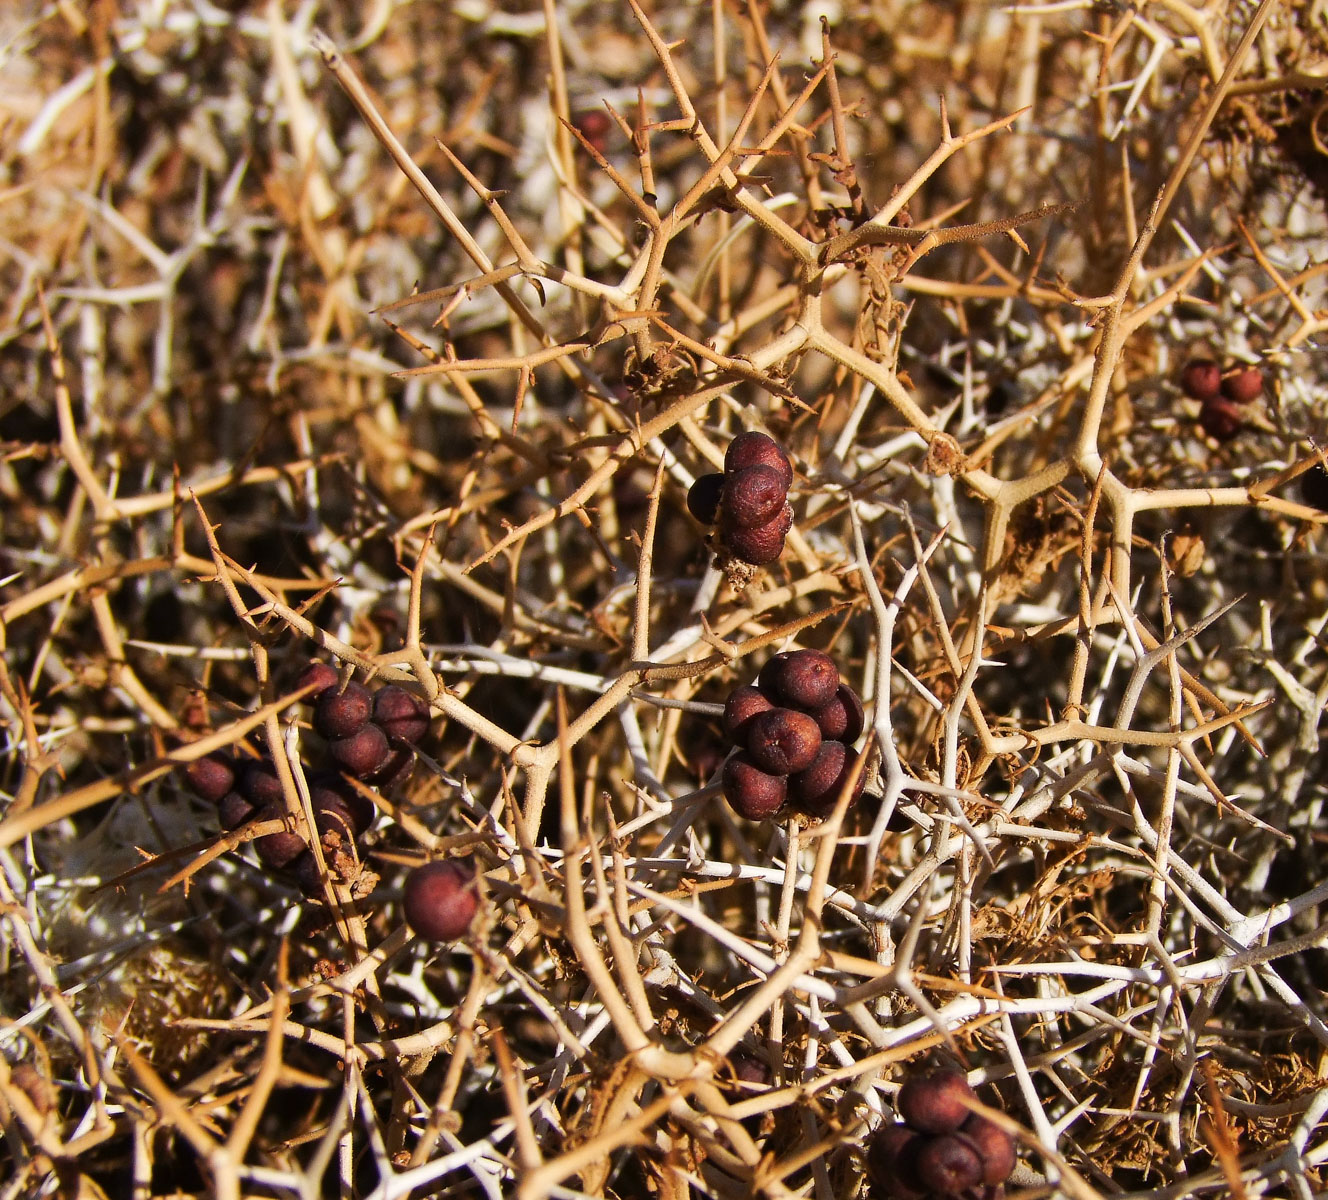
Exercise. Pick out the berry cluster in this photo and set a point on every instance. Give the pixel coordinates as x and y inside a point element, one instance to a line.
<point>793,732</point>
<point>440,900</point>
<point>1221,397</point>
<point>748,500</point>
<point>369,736</point>
<point>942,1148</point>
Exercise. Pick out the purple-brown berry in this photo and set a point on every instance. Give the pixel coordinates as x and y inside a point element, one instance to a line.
<point>751,792</point>
<point>891,1161</point>
<point>211,777</point>
<point>333,792</point>
<point>1220,419</point>
<point>806,679</point>
<point>843,719</point>
<point>935,1102</point>
<point>260,784</point>
<point>1201,378</point>
<point>364,752</point>
<point>343,714</point>
<point>233,810</point>
<point>815,790</point>
<point>995,1147</point>
<point>782,741</point>
<point>1243,386</point>
<point>398,766</point>
<point>280,849</point>
<point>703,497</point>
<point>753,449</point>
<point>321,676</point>
<point>440,901</point>
<point>753,496</point>
<point>741,706</point>
<point>948,1164</point>
<point>1314,488</point>
<point>400,714</point>
<point>762,545</point>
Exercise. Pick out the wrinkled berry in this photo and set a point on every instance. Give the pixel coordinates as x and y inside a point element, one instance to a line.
<point>703,497</point>
<point>400,714</point>
<point>891,1161</point>
<point>259,783</point>
<point>843,719</point>
<point>211,777</point>
<point>1201,378</point>
<point>782,741</point>
<point>815,790</point>
<point>1220,419</point>
<point>1243,386</point>
<point>751,792</point>
<point>440,901</point>
<point>752,449</point>
<point>762,545</point>
<point>233,810</point>
<point>321,675</point>
<point>280,849</point>
<point>753,496</point>
<point>363,753</point>
<point>807,679</point>
<point>741,706</point>
<point>995,1147</point>
<point>343,714</point>
<point>948,1164</point>
<point>935,1102</point>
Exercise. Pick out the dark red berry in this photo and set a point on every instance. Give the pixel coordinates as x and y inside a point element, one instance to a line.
<point>762,545</point>
<point>752,449</point>
<point>841,720</point>
<point>211,777</point>
<point>948,1164</point>
<point>815,790</point>
<point>1314,488</point>
<point>594,125</point>
<point>400,714</point>
<point>753,496</point>
<point>336,817</point>
<point>995,1147</point>
<point>343,714</point>
<point>1220,419</point>
<point>807,679</point>
<point>747,1068</point>
<point>321,675</point>
<point>765,681</point>
<point>280,849</point>
<point>751,792</point>
<point>333,792</point>
<point>399,765</point>
<point>363,753</point>
<point>782,741</point>
<point>259,783</point>
<point>741,706</point>
<point>1200,378</point>
<point>703,497</point>
<point>307,876</point>
<point>935,1102</point>
<point>891,1161</point>
<point>440,901</point>
<point>1243,386</point>
<point>233,810</point>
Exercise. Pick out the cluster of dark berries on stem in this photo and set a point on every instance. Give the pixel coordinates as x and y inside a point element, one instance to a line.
<point>368,736</point>
<point>793,731</point>
<point>942,1148</point>
<point>1221,395</point>
<point>748,500</point>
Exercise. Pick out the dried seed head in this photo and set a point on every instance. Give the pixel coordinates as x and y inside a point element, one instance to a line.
<point>259,783</point>
<point>751,792</point>
<point>364,752</point>
<point>762,545</point>
<point>994,1146</point>
<point>703,497</point>
<point>752,449</point>
<point>280,849</point>
<point>1243,386</point>
<point>815,790</point>
<point>753,496</point>
<point>400,714</point>
<point>948,1164</point>
<point>935,1102</point>
<point>892,1154</point>
<point>1220,419</point>
<point>842,720</point>
<point>741,706</point>
<point>1201,378</point>
<point>211,777</point>
<point>782,741</point>
<point>321,675</point>
<point>807,679</point>
<point>342,714</point>
<point>440,901</point>
<point>233,810</point>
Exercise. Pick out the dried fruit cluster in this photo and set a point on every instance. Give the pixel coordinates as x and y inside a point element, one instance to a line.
<point>793,731</point>
<point>1221,395</point>
<point>748,500</point>
<point>942,1148</point>
<point>368,736</point>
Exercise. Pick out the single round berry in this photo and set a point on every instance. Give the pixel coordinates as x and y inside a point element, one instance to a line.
<point>440,901</point>
<point>342,714</point>
<point>762,545</point>
<point>751,792</point>
<point>753,449</point>
<point>703,497</point>
<point>363,753</point>
<point>211,777</point>
<point>753,496</point>
<point>891,1161</point>
<point>741,706</point>
<point>748,1068</point>
<point>398,766</point>
<point>935,1102</point>
<point>233,810</point>
<point>336,817</point>
<point>948,1164</point>
<point>260,784</point>
<point>765,681</point>
<point>307,876</point>
<point>815,790</point>
<point>782,741</point>
<point>333,792</point>
<point>1314,488</point>
<point>1243,386</point>
<point>400,714</point>
<point>1220,419</point>
<point>807,679</point>
<point>321,676</point>
<point>843,719</point>
<point>995,1147</point>
<point>1201,378</point>
<point>280,849</point>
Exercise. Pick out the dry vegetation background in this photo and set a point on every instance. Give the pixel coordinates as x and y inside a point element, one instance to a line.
<point>1090,866</point>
